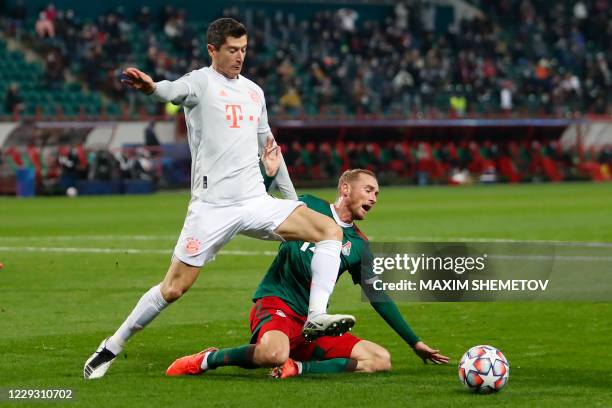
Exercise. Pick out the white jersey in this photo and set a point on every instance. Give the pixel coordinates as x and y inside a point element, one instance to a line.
<point>224,118</point>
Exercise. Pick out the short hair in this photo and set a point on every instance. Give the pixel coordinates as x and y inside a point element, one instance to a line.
<point>220,29</point>
<point>349,176</point>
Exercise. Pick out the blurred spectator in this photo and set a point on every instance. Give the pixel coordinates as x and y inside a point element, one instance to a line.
<point>18,15</point>
<point>290,101</point>
<point>51,12</point>
<point>103,166</point>
<point>143,168</point>
<point>458,103</point>
<point>506,96</point>
<point>13,101</point>
<point>125,164</point>
<point>347,18</point>
<point>44,26</point>
<point>580,11</point>
<point>68,160</point>
<point>150,135</point>
<point>54,69</point>
<point>401,15</point>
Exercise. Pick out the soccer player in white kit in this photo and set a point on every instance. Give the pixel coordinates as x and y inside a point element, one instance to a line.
<point>227,125</point>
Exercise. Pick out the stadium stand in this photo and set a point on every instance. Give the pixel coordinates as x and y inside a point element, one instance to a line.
<point>530,57</point>
<point>29,89</point>
<point>324,64</point>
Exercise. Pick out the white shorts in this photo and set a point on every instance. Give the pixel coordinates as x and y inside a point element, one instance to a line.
<point>208,227</point>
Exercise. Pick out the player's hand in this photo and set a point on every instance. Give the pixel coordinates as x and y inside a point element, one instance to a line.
<point>271,157</point>
<point>135,78</point>
<point>426,354</point>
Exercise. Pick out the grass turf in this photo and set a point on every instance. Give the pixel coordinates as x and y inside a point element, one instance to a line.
<point>55,307</point>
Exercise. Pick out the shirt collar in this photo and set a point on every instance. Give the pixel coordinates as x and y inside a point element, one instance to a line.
<point>220,75</point>
<point>337,219</point>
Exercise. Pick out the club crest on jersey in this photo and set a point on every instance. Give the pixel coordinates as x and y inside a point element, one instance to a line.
<point>255,97</point>
<point>346,248</point>
<point>192,245</point>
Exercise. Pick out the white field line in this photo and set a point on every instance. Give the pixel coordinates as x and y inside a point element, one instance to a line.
<point>121,251</point>
<point>579,258</point>
<point>376,238</point>
<point>391,239</point>
<point>90,250</point>
<point>91,238</point>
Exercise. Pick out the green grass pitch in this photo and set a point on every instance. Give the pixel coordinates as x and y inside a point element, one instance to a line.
<point>74,268</point>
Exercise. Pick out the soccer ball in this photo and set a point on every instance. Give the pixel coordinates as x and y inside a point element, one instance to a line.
<point>484,369</point>
<point>72,192</point>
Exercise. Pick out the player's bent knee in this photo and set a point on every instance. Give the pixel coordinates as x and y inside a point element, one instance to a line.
<point>366,366</point>
<point>275,356</point>
<point>375,365</point>
<point>382,359</point>
<point>332,231</point>
<point>382,363</point>
<point>378,359</point>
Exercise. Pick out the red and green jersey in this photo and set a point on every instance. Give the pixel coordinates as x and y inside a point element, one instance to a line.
<point>289,276</point>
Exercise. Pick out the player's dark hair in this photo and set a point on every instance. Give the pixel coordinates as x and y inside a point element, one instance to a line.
<point>220,29</point>
<point>351,175</point>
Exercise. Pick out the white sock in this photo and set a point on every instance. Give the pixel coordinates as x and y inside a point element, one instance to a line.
<point>325,264</point>
<point>204,365</point>
<point>148,307</point>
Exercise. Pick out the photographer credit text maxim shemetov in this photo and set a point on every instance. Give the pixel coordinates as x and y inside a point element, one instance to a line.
<point>494,271</point>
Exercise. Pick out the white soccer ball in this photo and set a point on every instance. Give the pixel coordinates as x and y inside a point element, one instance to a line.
<point>72,192</point>
<point>484,369</point>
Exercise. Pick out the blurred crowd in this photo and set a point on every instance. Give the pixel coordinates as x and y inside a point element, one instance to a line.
<point>527,56</point>
<point>56,168</point>
<point>450,162</point>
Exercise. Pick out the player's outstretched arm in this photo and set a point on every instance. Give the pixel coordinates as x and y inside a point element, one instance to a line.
<point>164,91</point>
<point>389,311</point>
<point>136,79</point>
<point>283,181</point>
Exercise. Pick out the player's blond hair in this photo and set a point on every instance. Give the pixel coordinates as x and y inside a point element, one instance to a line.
<point>351,176</point>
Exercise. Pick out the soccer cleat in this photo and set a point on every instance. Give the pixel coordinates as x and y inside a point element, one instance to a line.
<point>99,362</point>
<point>289,369</point>
<point>327,325</point>
<point>189,365</point>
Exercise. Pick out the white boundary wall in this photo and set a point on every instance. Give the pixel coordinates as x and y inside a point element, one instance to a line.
<point>596,134</point>
<point>109,134</point>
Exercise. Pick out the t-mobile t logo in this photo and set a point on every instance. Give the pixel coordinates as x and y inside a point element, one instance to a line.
<point>234,116</point>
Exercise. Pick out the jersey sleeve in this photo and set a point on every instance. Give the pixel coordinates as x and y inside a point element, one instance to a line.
<point>197,83</point>
<point>263,127</point>
<point>392,316</point>
<point>282,178</point>
<point>364,275</point>
<point>186,91</point>
<point>363,272</point>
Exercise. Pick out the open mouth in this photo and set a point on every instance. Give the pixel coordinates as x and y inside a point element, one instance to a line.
<point>366,207</point>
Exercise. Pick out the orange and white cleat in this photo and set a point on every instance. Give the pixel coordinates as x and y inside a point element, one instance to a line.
<point>189,365</point>
<point>287,370</point>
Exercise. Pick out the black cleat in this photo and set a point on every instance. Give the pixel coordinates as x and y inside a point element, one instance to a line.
<point>99,362</point>
<point>327,325</point>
